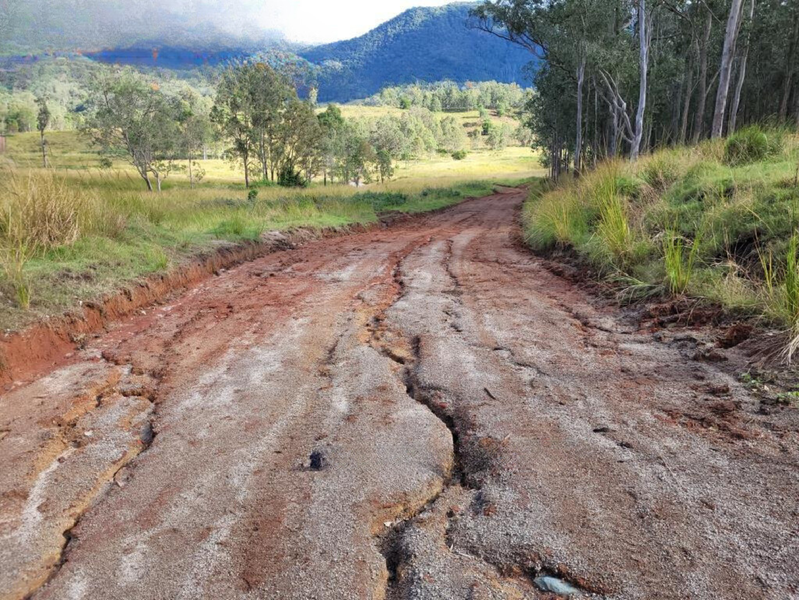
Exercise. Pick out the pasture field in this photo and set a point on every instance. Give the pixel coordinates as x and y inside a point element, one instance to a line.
<point>76,232</point>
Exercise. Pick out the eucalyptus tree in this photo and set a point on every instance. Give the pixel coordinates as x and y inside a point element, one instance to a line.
<point>133,119</point>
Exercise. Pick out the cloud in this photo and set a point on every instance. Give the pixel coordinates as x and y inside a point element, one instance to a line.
<point>27,25</point>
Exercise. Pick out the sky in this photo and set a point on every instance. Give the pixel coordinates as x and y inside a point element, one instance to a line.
<point>95,24</point>
<point>318,21</point>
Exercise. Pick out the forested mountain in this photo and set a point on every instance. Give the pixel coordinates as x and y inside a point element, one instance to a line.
<point>421,44</point>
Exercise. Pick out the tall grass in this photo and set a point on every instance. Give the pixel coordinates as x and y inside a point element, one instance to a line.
<point>679,264</point>
<point>39,212</point>
<point>614,231</point>
<point>791,296</point>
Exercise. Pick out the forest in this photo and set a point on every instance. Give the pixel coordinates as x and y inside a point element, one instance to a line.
<point>622,77</point>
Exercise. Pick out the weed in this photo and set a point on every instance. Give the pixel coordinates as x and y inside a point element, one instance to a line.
<point>788,398</point>
<point>15,256</point>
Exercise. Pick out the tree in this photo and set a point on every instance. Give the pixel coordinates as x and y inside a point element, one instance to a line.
<point>736,99</point>
<point>730,39</point>
<point>332,126</point>
<point>298,146</point>
<point>194,130</point>
<point>134,120</point>
<point>388,142</point>
<point>643,66</point>
<point>233,114</point>
<point>42,123</point>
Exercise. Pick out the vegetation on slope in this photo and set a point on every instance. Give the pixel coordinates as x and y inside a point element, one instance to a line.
<point>717,222</point>
<point>421,44</point>
<point>623,77</point>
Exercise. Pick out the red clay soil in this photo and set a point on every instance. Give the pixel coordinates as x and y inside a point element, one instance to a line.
<point>40,348</point>
<point>422,411</point>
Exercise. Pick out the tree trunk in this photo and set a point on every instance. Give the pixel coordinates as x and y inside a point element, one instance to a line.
<point>687,100</point>
<point>699,120</point>
<point>191,176</point>
<point>595,151</point>
<point>796,108</point>
<point>736,99</point>
<point>789,68</point>
<point>643,66</point>
<point>578,144</point>
<point>44,152</point>
<point>148,182</point>
<point>727,54</point>
<point>246,158</point>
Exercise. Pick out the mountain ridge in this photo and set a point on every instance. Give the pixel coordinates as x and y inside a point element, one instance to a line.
<point>420,44</point>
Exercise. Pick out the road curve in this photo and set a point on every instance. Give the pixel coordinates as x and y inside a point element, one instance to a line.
<point>421,411</point>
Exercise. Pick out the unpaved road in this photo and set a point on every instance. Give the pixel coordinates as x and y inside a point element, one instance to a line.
<point>421,411</point>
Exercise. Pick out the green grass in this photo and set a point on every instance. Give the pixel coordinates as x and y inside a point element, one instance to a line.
<point>716,222</point>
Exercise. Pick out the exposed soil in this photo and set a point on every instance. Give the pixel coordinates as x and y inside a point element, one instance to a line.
<point>422,411</point>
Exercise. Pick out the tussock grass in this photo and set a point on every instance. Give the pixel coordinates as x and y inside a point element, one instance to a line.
<point>716,221</point>
<point>679,261</point>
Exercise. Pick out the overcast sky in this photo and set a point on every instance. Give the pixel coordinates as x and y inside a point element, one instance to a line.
<point>329,20</point>
<point>94,24</point>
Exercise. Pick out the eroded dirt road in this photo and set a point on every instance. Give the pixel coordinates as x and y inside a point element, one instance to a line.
<point>422,412</point>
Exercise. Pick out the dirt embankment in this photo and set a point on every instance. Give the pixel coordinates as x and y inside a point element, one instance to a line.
<point>26,354</point>
<point>423,411</point>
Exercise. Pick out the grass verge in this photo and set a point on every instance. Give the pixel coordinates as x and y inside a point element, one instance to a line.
<point>717,222</point>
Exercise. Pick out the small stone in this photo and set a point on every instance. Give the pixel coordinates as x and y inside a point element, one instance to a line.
<point>556,586</point>
<point>318,460</point>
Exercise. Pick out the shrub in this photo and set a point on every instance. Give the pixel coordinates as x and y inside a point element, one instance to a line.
<point>751,144</point>
<point>460,154</point>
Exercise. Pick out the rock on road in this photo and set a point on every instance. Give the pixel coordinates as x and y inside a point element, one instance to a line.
<point>420,411</point>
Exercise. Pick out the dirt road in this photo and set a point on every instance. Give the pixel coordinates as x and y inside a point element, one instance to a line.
<point>421,411</point>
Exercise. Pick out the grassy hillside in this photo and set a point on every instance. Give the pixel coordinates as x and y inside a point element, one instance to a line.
<point>69,151</point>
<point>74,234</point>
<point>716,222</point>
<point>427,44</point>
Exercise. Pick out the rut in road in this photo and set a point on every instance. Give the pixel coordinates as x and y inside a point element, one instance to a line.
<point>421,411</point>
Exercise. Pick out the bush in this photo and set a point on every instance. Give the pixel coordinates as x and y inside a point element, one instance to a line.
<point>460,154</point>
<point>751,144</point>
<point>291,178</point>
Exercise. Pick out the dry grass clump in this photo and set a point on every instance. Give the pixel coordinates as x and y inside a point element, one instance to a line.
<point>41,211</point>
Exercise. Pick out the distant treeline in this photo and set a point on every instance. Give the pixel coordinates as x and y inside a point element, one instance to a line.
<point>67,82</point>
<point>253,115</point>
<point>449,96</point>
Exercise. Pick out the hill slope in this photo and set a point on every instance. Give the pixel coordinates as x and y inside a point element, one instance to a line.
<point>428,44</point>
